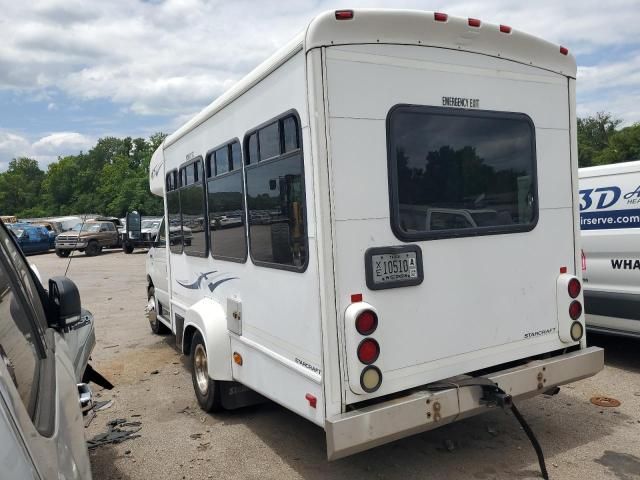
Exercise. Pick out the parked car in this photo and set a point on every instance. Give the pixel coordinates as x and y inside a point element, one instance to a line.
<point>89,237</point>
<point>31,238</point>
<point>45,342</point>
<point>610,227</point>
<point>149,228</point>
<point>52,232</point>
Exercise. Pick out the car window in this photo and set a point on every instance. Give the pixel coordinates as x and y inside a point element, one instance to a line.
<point>20,344</point>
<point>26,276</point>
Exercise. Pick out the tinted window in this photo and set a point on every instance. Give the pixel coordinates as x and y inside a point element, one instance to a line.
<point>222,160</point>
<point>236,156</point>
<point>459,173</point>
<point>227,217</point>
<point>19,347</point>
<point>269,137</point>
<point>290,134</point>
<point>171,181</point>
<point>189,174</point>
<point>161,237</point>
<point>253,149</point>
<point>174,221</point>
<point>276,204</point>
<point>193,215</point>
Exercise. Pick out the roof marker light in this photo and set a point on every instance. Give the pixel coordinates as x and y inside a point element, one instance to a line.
<point>344,14</point>
<point>564,50</point>
<point>505,28</point>
<point>440,17</point>
<point>356,297</point>
<point>474,22</point>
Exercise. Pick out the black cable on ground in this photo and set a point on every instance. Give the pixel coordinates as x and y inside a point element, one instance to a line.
<point>532,439</point>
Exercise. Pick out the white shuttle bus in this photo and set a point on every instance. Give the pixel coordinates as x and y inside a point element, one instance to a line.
<point>382,227</point>
<point>610,223</point>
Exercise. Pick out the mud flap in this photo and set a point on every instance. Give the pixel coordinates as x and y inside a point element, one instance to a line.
<point>235,395</point>
<point>90,375</point>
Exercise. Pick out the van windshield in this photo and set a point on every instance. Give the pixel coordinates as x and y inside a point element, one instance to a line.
<point>151,224</point>
<point>459,172</point>
<point>87,227</point>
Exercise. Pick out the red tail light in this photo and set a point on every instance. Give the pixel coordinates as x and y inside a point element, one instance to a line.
<point>440,17</point>
<point>575,310</point>
<point>368,351</point>
<point>366,322</point>
<point>474,22</point>
<point>344,14</point>
<point>574,287</point>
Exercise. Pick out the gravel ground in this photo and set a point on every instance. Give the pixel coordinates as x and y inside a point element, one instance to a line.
<point>179,441</point>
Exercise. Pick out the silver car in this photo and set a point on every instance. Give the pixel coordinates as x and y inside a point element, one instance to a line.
<point>45,342</point>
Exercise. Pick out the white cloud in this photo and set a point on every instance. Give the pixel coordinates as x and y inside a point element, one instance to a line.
<point>62,143</point>
<point>172,57</point>
<point>46,149</point>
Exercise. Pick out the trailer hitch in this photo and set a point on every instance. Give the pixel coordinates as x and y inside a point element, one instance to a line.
<point>492,395</point>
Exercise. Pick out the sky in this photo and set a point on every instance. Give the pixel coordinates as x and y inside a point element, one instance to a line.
<point>73,71</point>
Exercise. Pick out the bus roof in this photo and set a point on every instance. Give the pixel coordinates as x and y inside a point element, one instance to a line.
<point>405,27</point>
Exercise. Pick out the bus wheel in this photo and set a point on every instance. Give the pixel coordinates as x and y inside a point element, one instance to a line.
<point>157,326</point>
<point>207,390</point>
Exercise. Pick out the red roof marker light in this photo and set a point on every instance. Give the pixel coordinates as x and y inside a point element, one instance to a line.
<point>440,17</point>
<point>474,22</point>
<point>564,50</point>
<point>344,14</point>
<point>505,28</point>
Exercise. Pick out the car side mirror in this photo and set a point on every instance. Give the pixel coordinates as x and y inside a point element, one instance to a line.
<point>64,303</point>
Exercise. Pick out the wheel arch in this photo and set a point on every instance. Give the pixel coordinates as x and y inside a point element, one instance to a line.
<point>208,318</point>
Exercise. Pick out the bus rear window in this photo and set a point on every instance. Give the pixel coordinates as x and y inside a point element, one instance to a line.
<point>459,172</point>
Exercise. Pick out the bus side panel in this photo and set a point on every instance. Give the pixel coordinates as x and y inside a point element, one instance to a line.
<point>280,308</point>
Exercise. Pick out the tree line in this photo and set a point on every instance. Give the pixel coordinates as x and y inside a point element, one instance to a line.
<point>113,177</point>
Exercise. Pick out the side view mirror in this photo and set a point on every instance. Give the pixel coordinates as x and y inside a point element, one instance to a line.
<point>134,225</point>
<point>64,302</point>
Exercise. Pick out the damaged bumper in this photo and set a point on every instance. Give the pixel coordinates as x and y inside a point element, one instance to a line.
<point>425,409</point>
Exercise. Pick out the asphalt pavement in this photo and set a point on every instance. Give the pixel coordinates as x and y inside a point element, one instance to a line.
<point>179,441</point>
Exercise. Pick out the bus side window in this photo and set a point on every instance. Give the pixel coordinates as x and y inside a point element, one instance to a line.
<point>276,196</point>
<point>227,235</point>
<point>174,219</point>
<point>192,209</point>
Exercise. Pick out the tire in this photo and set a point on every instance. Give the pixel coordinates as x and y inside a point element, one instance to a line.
<point>127,248</point>
<point>207,390</point>
<point>92,249</point>
<point>156,325</point>
<point>63,253</point>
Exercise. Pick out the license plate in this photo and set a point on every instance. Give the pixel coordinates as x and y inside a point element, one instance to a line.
<point>394,267</point>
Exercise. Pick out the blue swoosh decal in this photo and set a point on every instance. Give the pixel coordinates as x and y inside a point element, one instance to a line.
<point>196,285</point>
<point>214,285</point>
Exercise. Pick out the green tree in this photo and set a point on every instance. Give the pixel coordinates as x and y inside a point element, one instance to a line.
<point>20,187</point>
<point>594,133</point>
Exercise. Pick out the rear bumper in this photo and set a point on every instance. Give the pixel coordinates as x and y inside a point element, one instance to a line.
<point>424,410</point>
